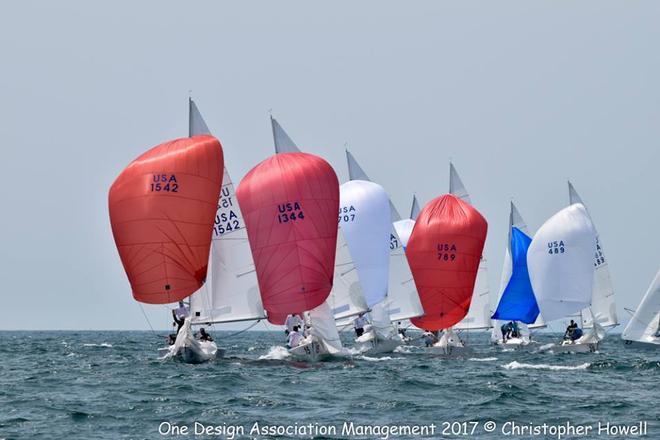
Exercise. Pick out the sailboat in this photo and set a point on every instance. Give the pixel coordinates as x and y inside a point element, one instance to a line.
<point>231,290</point>
<point>561,270</point>
<point>643,330</point>
<point>162,208</point>
<point>517,302</point>
<point>602,311</point>
<point>289,203</point>
<point>478,317</point>
<point>366,219</point>
<point>444,251</point>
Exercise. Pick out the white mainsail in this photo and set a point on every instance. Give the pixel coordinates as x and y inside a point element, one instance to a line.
<point>346,298</point>
<point>324,328</point>
<point>560,263</point>
<point>478,317</point>
<point>644,326</point>
<point>283,143</point>
<point>231,290</point>
<point>603,308</point>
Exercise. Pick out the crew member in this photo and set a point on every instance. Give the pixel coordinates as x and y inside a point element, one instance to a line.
<point>359,324</point>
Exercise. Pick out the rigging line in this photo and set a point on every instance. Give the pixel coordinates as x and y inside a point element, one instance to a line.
<point>243,331</point>
<point>147,319</point>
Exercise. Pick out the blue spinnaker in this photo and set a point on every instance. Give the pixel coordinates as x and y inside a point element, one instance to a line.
<point>518,302</point>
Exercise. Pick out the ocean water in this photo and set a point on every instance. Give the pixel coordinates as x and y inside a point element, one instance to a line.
<point>111,385</point>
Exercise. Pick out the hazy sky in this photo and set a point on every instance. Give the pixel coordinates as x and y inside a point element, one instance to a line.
<point>521,95</point>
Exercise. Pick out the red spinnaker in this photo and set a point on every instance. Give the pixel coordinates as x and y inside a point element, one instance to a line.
<point>162,208</point>
<point>290,203</point>
<point>444,252</point>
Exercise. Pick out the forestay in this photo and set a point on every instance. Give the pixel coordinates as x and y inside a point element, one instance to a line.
<point>560,263</point>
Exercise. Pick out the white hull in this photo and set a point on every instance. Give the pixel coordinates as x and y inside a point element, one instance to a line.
<point>378,346</point>
<point>575,348</point>
<point>514,344</point>
<point>641,345</point>
<point>193,353</point>
<point>312,351</point>
<point>449,351</point>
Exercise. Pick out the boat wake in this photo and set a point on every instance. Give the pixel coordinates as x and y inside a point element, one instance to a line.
<point>517,366</point>
<point>104,344</point>
<point>275,353</point>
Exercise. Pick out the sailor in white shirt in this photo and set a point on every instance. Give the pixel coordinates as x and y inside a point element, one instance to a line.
<point>359,324</point>
<point>292,321</point>
<point>294,337</point>
<point>182,312</point>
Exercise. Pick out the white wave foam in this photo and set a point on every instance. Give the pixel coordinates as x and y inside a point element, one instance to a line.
<point>374,359</point>
<point>490,359</point>
<point>515,365</point>
<point>104,344</point>
<point>403,349</point>
<point>546,347</point>
<point>275,353</point>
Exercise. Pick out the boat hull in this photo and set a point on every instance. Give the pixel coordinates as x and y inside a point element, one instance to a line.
<point>450,351</point>
<point>378,346</point>
<point>312,351</point>
<point>641,345</point>
<point>575,348</point>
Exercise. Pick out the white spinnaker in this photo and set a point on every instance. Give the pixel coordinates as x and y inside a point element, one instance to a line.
<point>364,218</point>
<point>324,327</point>
<point>603,307</point>
<point>478,317</point>
<point>346,298</point>
<point>560,263</point>
<point>515,220</point>
<point>645,321</point>
<point>402,296</point>
<point>231,290</point>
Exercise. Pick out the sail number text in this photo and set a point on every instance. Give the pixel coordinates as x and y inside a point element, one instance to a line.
<point>556,247</point>
<point>346,214</point>
<point>290,211</point>
<point>226,219</point>
<point>446,251</point>
<point>164,182</point>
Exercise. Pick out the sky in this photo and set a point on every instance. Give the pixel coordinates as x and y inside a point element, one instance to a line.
<point>520,95</point>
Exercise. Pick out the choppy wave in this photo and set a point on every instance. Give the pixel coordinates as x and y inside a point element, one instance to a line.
<point>276,353</point>
<point>515,365</point>
<point>123,390</point>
